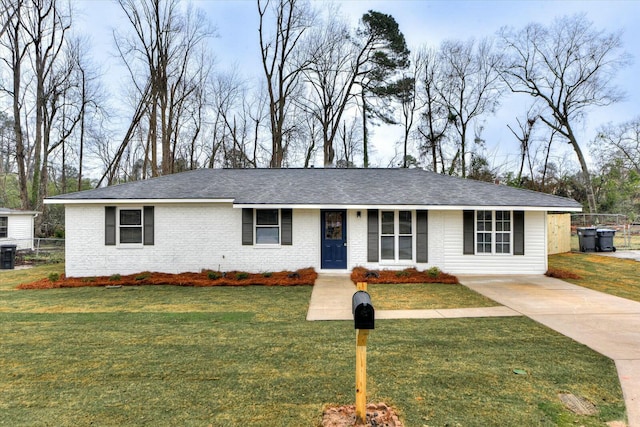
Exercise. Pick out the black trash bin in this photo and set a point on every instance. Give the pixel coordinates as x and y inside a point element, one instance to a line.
<point>604,240</point>
<point>7,257</point>
<point>587,239</point>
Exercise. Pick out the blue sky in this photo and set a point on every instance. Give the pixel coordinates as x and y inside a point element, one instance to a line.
<point>422,22</point>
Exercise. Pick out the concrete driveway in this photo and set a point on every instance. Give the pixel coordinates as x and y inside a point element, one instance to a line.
<point>607,324</point>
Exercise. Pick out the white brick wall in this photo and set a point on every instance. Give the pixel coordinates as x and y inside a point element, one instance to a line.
<point>208,236</point>
<point>187,238</point>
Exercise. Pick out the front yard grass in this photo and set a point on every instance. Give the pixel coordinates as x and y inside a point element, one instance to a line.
<point>615,276</point>
<point>165,355</point>
<point>411,296</point>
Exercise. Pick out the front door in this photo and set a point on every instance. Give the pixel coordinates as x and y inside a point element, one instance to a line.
<point>334,239</point>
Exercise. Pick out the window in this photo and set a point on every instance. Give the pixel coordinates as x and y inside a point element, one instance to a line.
<point>396,235</point>
<point>503,232</point>
<point>130,225</point>
<point>4,226</point>
<point>267,227</point>
<point>483,227</point>
<point>493,232</point>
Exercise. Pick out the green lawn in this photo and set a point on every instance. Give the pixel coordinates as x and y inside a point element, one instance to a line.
<point>410,296</point>
<point>615,276</point>
<point>246,357</point>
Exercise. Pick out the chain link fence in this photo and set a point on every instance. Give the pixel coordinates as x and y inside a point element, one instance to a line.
<point>39,251</point>
<point>627,235</point>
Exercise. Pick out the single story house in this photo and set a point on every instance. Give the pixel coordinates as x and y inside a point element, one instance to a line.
<point>260,220</point>
<point>16,228</point>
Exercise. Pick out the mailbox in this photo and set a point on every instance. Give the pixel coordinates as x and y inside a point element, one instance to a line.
<point>363,312</point>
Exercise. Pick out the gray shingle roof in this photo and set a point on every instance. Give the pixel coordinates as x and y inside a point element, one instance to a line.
<point>325,187</point>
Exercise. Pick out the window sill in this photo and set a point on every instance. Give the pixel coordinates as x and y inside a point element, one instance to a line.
<point>130,246</point>
<point>266,246</point>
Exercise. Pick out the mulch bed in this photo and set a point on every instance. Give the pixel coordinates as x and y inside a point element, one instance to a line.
<point>562,274</point>
<point>378,415</point>
<point>409,275</point>
<point>306,276</point>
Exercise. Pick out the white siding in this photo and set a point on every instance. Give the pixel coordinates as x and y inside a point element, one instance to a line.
<point>19,231</point>
<point>534,261</point>
<point>187,238</point>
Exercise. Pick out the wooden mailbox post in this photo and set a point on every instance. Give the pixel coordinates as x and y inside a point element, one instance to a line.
<point>364,321</point>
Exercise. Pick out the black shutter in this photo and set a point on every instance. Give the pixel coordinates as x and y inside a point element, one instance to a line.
<point>372,235</point>
<point>148,225</point>
<point>247,226</point>
<point>422,236</point>
<point>286,216</point>
<point>468,234</point>
<point>518,232</point>
<point>110,225</point>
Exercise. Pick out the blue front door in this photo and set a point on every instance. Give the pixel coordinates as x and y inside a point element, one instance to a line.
<point>334,239</point>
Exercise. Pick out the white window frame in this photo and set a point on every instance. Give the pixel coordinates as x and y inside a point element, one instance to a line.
<point>493,233</point>
<point>120,226</point>
<point>396,237</point>
<point>257,226</point>
<point>4,229</point>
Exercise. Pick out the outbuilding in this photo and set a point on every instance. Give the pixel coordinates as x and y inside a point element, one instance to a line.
<point>16,228</point>
<point>261,220</point>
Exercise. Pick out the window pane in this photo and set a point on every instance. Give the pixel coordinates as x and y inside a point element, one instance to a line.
<point>130,234</point>
<point>4,221</point>
<point>268,235</point>
<point>405,247</point>
<point>130,217</point>
<point>387,222</point>
<point>387,247</point>
<point>266,217</point>
<point>333,225</point>
<point>405,222</point>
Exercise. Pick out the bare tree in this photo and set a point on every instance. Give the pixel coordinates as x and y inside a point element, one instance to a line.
<point>434,120</point>
<point>568,65</point>
<point>621,141</point>
<point>470,86</point>
<point>13,41</point>
<point>523,135</point>
<point>281,69</point>
<point>331,72</point>
<point>164,57</point>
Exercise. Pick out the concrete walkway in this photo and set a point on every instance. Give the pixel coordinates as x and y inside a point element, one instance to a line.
<point>607,324</point>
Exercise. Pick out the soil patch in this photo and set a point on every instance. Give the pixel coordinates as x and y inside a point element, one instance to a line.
<point>301,277</point>
<point>378,415</point>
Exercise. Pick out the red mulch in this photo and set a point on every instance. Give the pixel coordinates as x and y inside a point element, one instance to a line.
<point>306,276</point>
<point>409,275</point>
<point>562,274</point>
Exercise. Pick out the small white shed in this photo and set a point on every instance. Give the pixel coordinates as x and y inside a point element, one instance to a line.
<point>16,228</point>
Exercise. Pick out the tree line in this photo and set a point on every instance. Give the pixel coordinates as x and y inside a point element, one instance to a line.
<point>322,88</point>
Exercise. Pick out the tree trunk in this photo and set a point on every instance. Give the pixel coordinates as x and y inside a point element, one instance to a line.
<point>365,138</point>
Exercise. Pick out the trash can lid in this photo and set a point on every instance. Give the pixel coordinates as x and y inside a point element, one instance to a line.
<point>604,230</point>
<point>8,246</point>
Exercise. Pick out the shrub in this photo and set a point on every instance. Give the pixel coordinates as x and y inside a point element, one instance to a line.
<point>267,274</point>
<point>114,277</point>
<point>242,276</point>
<point>89,279</point>
<point>54,277</point>
<point>143,276</point>
<point>433,272</point>
<point>403,273</point>
<point>213,275</point>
